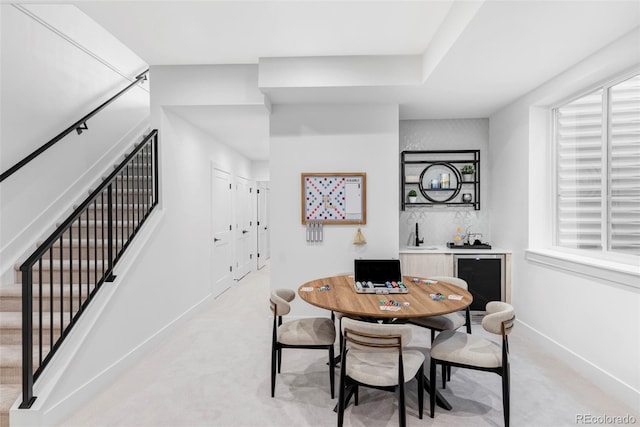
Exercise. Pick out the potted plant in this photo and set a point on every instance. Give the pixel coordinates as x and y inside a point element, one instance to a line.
<point>412,195</point>
<point>467,172</point>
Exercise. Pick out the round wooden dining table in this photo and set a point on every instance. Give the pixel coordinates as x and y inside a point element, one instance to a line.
<point>342,297</point>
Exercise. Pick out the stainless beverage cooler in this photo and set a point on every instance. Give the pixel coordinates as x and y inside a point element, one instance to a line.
<point>485,275</point>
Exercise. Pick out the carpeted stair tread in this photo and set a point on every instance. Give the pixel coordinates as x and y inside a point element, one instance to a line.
<point>8,395</point>
<point>118,206</point>
<point>11,355</point>
<point>11,297</point>
<point>117,224</point>
<point>14,290</point>
<point>11,362</point>
<point>12,320</point>
<point>92,242</point>
<point>11,329</point>
<point>65,264</point>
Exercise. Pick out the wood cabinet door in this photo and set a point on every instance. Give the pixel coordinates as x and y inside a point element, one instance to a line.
<point>426,265</point>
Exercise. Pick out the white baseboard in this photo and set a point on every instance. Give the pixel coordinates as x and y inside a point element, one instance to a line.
<point>601,378</point>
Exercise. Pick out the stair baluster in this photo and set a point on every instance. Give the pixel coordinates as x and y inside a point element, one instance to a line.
<point>133,185</point>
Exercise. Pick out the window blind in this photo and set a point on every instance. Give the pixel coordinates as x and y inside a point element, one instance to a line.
<point>624,166</point>
<point>598,170</point>
<point>579,166</point>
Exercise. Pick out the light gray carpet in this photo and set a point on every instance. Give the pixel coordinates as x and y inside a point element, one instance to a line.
<point>214,371</point>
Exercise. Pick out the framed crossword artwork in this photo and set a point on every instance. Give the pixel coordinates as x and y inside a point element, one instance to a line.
<point>334,198</point>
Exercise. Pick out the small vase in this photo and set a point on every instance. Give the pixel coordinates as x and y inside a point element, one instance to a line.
<point>467,177</point>
<point>412,199</point>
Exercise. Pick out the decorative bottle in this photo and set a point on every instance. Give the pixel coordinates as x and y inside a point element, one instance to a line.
<point>457,239</point>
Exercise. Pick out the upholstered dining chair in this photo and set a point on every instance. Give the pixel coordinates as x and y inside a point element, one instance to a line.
<point>446,322</point>
<point>307,333</point>
<point>376,355</point>
<point>468,351</point>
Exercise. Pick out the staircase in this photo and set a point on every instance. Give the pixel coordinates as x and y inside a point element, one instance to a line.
<point>71,270</point>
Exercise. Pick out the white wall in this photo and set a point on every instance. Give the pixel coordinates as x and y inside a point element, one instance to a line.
<point>260,170</point>
<point>592,323</point>
<point>48,83</point>
<point>438,224</point>
<point>331,138</point>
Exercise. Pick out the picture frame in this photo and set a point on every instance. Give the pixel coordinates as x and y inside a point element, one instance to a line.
<point>334,197</point>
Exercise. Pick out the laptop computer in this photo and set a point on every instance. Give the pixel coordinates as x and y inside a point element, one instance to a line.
<point>377,271</point>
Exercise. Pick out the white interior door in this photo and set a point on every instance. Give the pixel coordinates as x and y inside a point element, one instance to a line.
<point>262,224</point>
<point>221,205</point>
<point>243,228</point>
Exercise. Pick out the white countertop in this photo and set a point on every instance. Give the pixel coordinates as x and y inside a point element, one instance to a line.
<point>430,249</point>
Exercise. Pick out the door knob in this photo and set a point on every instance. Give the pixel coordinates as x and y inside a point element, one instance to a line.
<point>215,239</point>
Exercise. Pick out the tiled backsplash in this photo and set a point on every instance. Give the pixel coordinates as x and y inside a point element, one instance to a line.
<point>438,224</point>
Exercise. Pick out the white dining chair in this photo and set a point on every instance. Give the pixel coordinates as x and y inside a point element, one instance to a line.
<point>446,322</point>
<point>453,348</point>
<point>307,333</point>
<point>376,355</point>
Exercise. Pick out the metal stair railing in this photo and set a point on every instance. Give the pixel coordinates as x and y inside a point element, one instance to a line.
<point>79,127</point>
<point>93,238</point>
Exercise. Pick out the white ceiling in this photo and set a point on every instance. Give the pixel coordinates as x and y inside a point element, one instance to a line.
<point>507,49</point>
<point>241,32</point>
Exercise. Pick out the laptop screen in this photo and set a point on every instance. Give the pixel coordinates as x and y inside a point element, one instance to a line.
<point>377,270</point>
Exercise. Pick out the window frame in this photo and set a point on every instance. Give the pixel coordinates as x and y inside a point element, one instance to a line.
<point>606,179</point>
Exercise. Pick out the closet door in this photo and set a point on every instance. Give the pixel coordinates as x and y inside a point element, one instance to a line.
<point>244,235</point>
<point>222,239</point>
<point>263,224</point>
